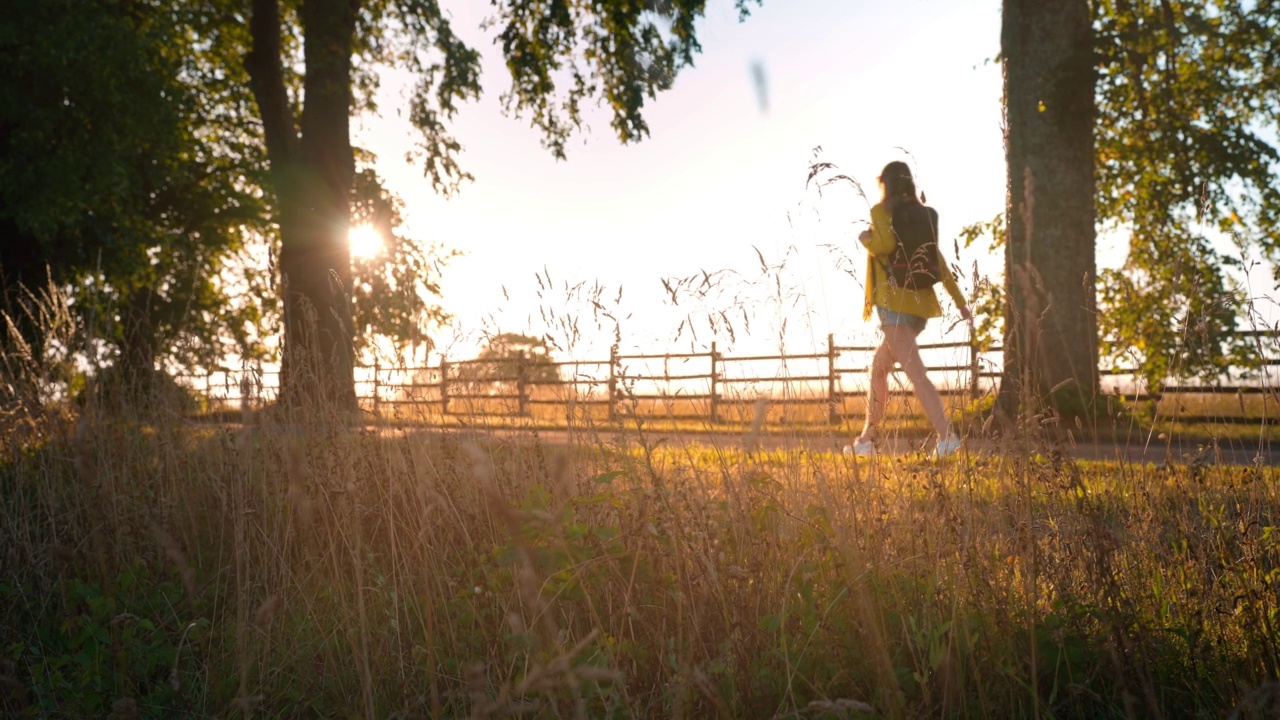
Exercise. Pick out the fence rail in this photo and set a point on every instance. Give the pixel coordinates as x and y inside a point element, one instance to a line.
<point>822,387</point>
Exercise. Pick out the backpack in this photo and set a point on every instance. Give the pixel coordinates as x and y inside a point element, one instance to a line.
<point>913,264</point>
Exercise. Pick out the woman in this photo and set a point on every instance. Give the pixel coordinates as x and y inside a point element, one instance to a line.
<point>903,312</point>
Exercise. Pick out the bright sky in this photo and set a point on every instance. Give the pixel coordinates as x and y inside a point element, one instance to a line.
<point>720,183</point>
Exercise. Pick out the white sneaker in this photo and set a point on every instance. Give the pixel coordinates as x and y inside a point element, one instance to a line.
<point>863,448</point>
<point>946,446</point>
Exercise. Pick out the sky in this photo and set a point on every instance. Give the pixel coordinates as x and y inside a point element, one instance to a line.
<point>718,190</point>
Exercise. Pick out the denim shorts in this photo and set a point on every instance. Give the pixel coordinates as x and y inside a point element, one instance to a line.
<point>889,317</point>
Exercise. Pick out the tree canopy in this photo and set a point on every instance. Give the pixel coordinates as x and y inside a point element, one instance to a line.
<point>560,56</point>
<point>133,177</point>
<point>1188,161</point>
<point>118,184</point>
<point>512,358</point>
<point>1186,102</point>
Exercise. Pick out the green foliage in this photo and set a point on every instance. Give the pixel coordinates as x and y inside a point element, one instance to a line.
<point>561,54</point>
<point>1167,324</point>
<point>417,35</point>
<point>125,171</point>
<point>1187,168</point>
<point>390,291</point>
<point>987,301</point>
<point>97,653</point>
<point>82,108</point>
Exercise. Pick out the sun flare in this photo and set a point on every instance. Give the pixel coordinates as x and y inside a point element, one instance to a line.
<point>365,241</point>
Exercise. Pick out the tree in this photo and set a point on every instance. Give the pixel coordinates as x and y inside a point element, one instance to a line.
<point>1186,162</point>
<point>1051,338</point>
<point>559,54</point>
<point>512,358</point>
<point>133,179</point>
<point>116,181</point>
<point>1188,99</point>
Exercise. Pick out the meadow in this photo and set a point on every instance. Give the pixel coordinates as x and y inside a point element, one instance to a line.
<point>272,570</point>
<point>154,564</point>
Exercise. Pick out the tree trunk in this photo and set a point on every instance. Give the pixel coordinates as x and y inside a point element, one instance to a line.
<point>311,168</point>
<point>1051,336</point>
<point>137,346</point>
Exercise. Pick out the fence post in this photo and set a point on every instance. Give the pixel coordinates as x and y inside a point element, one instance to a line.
<point>522,390</point>
<point>377,370</point>
<point>832,416</point>
<point>613,382</point>
<point>715,410</point>
<point>444,386</point>
<point>570,398</point>
<point>973,364</point>
<point>245,386</point>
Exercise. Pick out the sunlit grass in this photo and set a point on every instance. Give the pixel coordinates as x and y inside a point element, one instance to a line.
<point>305,567</point>
<point>292,574</point>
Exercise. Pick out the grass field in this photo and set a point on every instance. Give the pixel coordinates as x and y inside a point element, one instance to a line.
<point>165,569</point>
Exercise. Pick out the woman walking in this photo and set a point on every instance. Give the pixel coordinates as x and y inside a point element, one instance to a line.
<point>903,264</point>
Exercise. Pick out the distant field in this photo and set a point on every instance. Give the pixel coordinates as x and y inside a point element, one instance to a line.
<point>1187,416</point>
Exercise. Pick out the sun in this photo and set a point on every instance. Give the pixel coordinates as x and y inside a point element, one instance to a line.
<point>365,241</point>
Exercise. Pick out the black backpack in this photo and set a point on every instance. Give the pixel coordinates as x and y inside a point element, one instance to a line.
<point>914,262</point>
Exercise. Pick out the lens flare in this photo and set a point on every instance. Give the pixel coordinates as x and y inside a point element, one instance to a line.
<point>365,241</point>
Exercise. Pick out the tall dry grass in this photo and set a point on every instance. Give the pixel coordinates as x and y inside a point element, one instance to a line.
<point>287,569</point>
<point>275,573</point>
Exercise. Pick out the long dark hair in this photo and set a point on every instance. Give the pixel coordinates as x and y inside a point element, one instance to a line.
<point>898,184</point>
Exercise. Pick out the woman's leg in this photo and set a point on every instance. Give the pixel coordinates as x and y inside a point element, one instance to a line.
<point>901,340</point>
<point>878,389</point>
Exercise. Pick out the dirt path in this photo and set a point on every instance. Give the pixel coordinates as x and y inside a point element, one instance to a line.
<point>1140,450</point>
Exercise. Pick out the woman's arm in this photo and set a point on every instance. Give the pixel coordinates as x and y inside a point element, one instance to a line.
<point>953,289</point>
<point>879,240</point>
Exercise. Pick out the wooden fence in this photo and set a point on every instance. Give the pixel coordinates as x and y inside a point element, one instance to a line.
<point>708,386</point>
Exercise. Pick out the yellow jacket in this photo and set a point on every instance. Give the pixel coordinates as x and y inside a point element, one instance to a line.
<point>880,244</point>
